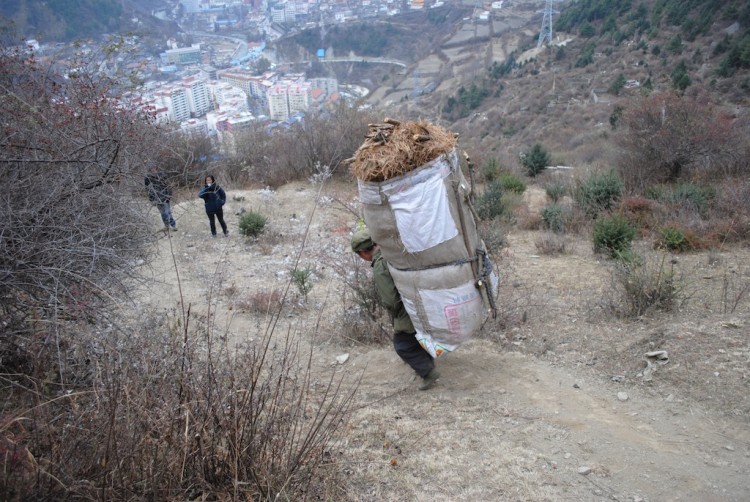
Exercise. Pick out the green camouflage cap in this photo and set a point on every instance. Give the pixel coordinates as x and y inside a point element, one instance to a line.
<point>361,240</point>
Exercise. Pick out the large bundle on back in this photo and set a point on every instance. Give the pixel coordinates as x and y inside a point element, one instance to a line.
<point>417,208</point>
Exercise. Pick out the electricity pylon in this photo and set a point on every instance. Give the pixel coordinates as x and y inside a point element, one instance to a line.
<point>545,34</point>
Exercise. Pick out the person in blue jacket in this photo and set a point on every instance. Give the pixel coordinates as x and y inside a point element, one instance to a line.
<point>214,197</point>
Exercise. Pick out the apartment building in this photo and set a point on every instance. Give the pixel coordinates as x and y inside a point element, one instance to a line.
<point>174,99</point>
<point>229,130</point>
<point>197,95</point>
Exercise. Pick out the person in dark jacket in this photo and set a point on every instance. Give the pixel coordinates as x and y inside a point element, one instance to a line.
<point>404,339</point>
<point>214,197</point>
<point>160,194</point>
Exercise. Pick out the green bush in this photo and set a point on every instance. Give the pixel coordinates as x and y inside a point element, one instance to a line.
<point>599,192</point>
<point>659,193</point>
<point>490,204</point>
<point>690,195</point>
<point>252,224</point>
<point>535,160</point>
<point>491,170</point>
<point>673,239</point>
<point>695,196</point>
<point>512,183</point>
<point>302,278</point>
<point>555,191</point>
<point>613,235</point>
<point>554,218</point>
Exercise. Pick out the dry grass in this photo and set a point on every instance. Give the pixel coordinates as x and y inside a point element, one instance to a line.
<point>268,241</point>
<point>395,148</point>
<point>259,302</point>
<point>550,243</point>
<point>528,220</point>
<point>174,412</point>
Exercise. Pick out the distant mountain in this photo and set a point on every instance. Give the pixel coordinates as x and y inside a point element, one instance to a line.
<point>489,82</point>
<point>67,20</point>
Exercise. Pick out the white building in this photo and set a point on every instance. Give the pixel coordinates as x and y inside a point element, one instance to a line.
<point>229,130</point>
<point>286,98</point>
<point>278,13</point>
<point>194,126</point>
<point>183,56</point>
<point>253,85</point>
<point>174,99</point>
<point>197,96</point>
<point>191,6</point>
<point>329,85</point>
<point>300,97</point>
<point>278,105</point>
<point>225,96</point>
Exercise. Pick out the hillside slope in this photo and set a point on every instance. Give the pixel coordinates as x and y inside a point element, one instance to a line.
<point>554,408</point>
<point>490,83</point>
<point>61,21</point>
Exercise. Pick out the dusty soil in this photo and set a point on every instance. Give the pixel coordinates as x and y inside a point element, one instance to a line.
<point>549,402</point>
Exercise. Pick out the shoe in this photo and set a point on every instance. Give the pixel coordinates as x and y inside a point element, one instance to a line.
<point>174,229</point>
<point>226,234</point>
<point>213,235</point>
<point>429,379</point>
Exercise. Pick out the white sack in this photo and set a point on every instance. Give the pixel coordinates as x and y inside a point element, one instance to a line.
<point>443,303</point>
<point>417,220</point>
<point>416,217</point>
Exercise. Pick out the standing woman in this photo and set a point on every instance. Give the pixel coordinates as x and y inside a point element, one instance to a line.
<point>214,197</point>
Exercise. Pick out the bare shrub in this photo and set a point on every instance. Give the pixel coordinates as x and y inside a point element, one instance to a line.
<point>719,232</point>
<point>668,137</point>
<point>643,213</point>
<point>174,412</point>
<point>259,302</point>
<point>493,234</point>
<point>730,215</point>
<point>71,159</point>
<point>363,320</point>
<point>640,286</point>
<point>735,288</point>
<point>551,243</point>
<point>287,155</point>
<point>528,220</point>
<point>579,221</point>
<point>268,240</point>
<point>186,158</point>
<point>515,302</point>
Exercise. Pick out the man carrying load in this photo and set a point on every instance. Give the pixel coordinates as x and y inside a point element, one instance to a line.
<point>404,336</point>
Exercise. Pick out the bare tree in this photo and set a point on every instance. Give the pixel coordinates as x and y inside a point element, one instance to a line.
<point>669,137</point>
<point>321,140</point>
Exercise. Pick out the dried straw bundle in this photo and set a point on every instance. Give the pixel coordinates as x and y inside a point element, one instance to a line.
<point>394,148</point>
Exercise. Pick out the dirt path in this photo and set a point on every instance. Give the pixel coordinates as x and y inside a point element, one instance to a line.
<point>504,426</point>
<point>518,414</point>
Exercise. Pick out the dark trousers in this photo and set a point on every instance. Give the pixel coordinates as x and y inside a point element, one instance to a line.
<point>166,214</point>
<point>408,349</point>
<point>219,215</point>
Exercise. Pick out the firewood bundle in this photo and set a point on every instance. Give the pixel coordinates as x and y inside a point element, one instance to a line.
<point>393,148</point>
